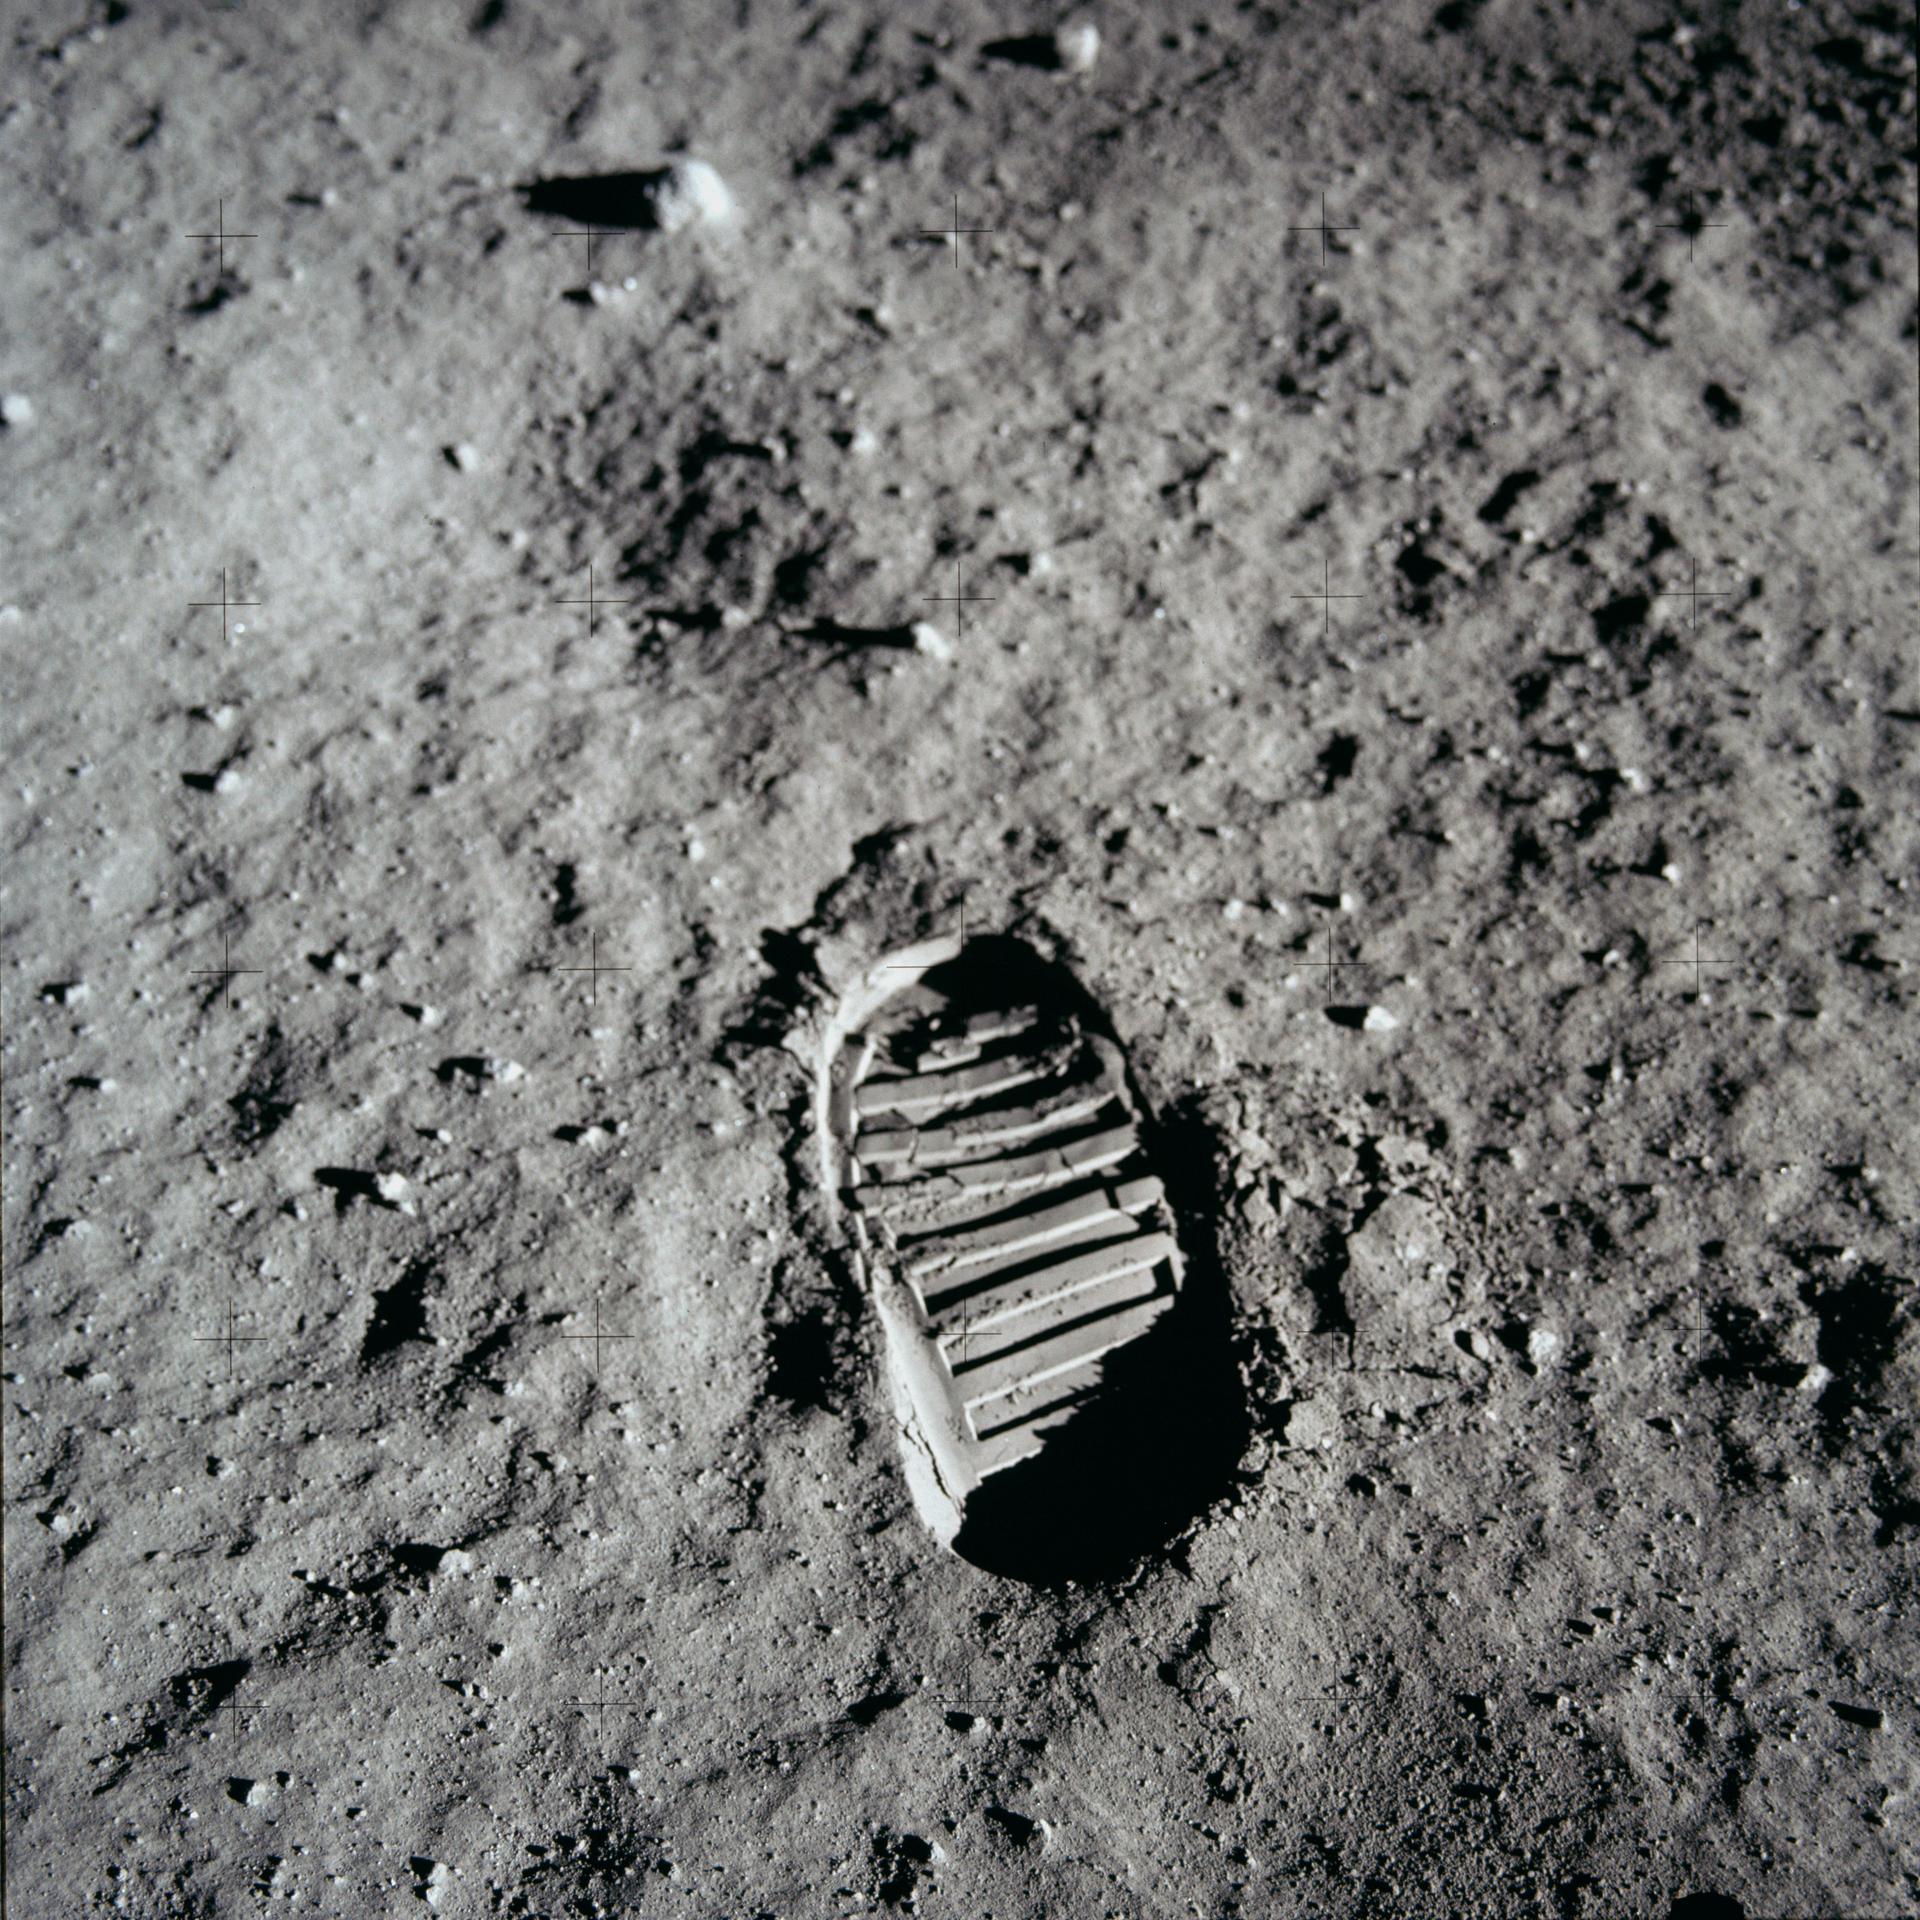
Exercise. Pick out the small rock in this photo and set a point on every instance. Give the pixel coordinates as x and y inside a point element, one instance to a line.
<point>1077,46</point>
<point>505,1071</point>
<point>464,455</point>
<point>426,1016</point>
<point>1542,1344</point>
<point>64,993</point>
<point>436,1878</point>
<point>16,410</point>
<point>1312,1423</point>
<point>1816,1380</point>
<point>248,1793</point>
<point>1871,1718</point>
<point>392,1188</point>
<point>686,193</point>
<point>1378,1020</point>
<point>928,639</point>
<point>228,781</point>
<point>456,1560</point>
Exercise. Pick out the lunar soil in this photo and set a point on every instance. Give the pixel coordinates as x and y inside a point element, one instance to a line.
<point>1379,540</point>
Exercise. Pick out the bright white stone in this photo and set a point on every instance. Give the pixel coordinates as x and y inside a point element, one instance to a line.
<point>1077,46</point>
<point>689,192</point>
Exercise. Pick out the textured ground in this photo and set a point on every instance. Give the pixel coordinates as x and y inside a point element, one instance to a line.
<point>1565,1567</point>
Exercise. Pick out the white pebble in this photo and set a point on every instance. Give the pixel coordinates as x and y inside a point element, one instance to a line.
<point>1379,1020</point>
<point>928,639</point>
<point>1077,46</point>
<point>16,410</point>
<point>687,192</point>
<point>465,455</point>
